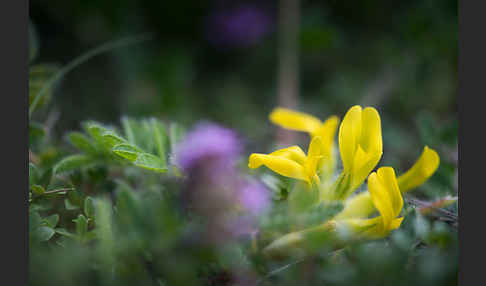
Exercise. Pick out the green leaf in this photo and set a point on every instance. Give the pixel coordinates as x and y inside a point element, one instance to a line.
<point>38,189</point>
<point>160,135</point>
<point>80,141</point>
<point>96,130</point>
<point>44,233</point>
<point>76,198</point>
<point>89,207</point>
<point>35,219</point>
<point>52,220</point>
<point>72,163</point>
<point>81,225</point>
<point>150,162</point>
<point>127,151</point>
<point>110,139</point>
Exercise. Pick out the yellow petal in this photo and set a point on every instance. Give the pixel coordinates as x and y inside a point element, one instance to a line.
<point>349,133</point>
<point>294,120</point>
<point>327,131</point>
<point>396,223</point>
<point>314,155</point>
<point>315,147</point>
<point>280,165</point>
<point>361,223</point>
<point>360,144</point>
<point>389,180</point>
<point>425,166</point>
<point>363,164</point>
<point>369,228</point>
<point>381,199</point>
<point>379,231</point>
<point>371,139</point>
<point>386,197</point>
<point>359,206</point>
<point>370,146</point>
<point>293,153</point>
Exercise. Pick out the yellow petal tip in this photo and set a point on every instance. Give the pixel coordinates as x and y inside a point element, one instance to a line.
<point>253,161</point>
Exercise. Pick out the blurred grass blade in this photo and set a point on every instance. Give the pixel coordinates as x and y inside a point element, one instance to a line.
<point>83,58</point>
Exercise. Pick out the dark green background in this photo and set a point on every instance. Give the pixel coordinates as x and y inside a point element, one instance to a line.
<point>399,56</point>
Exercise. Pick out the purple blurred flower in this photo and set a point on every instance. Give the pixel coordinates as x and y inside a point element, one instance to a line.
<point>254,197</point>
<point>243,225</point>
<point>207,142</point>
<point>214,189</point>
<point>244,25</point>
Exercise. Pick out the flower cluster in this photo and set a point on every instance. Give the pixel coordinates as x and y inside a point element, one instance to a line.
<point>360,149</point>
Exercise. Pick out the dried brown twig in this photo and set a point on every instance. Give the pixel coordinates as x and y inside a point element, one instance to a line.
<point>434,210</point>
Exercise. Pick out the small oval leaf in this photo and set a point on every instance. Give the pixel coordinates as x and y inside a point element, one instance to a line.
<point>127,151</point>
<point>150,162</point>
<point>72,163</point>
<point>45,233</point>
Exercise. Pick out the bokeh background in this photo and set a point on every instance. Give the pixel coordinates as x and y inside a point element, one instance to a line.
<point>224,61</point>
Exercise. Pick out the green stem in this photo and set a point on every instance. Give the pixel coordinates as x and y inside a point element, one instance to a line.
<point>340,188</point>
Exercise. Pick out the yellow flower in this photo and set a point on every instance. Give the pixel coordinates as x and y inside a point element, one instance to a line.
<point>360,146</point>
<point>292,161</point>
<point>387,199</point>
<point>299,121</point>
<point>361,205</point>
<point>385,196</point>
